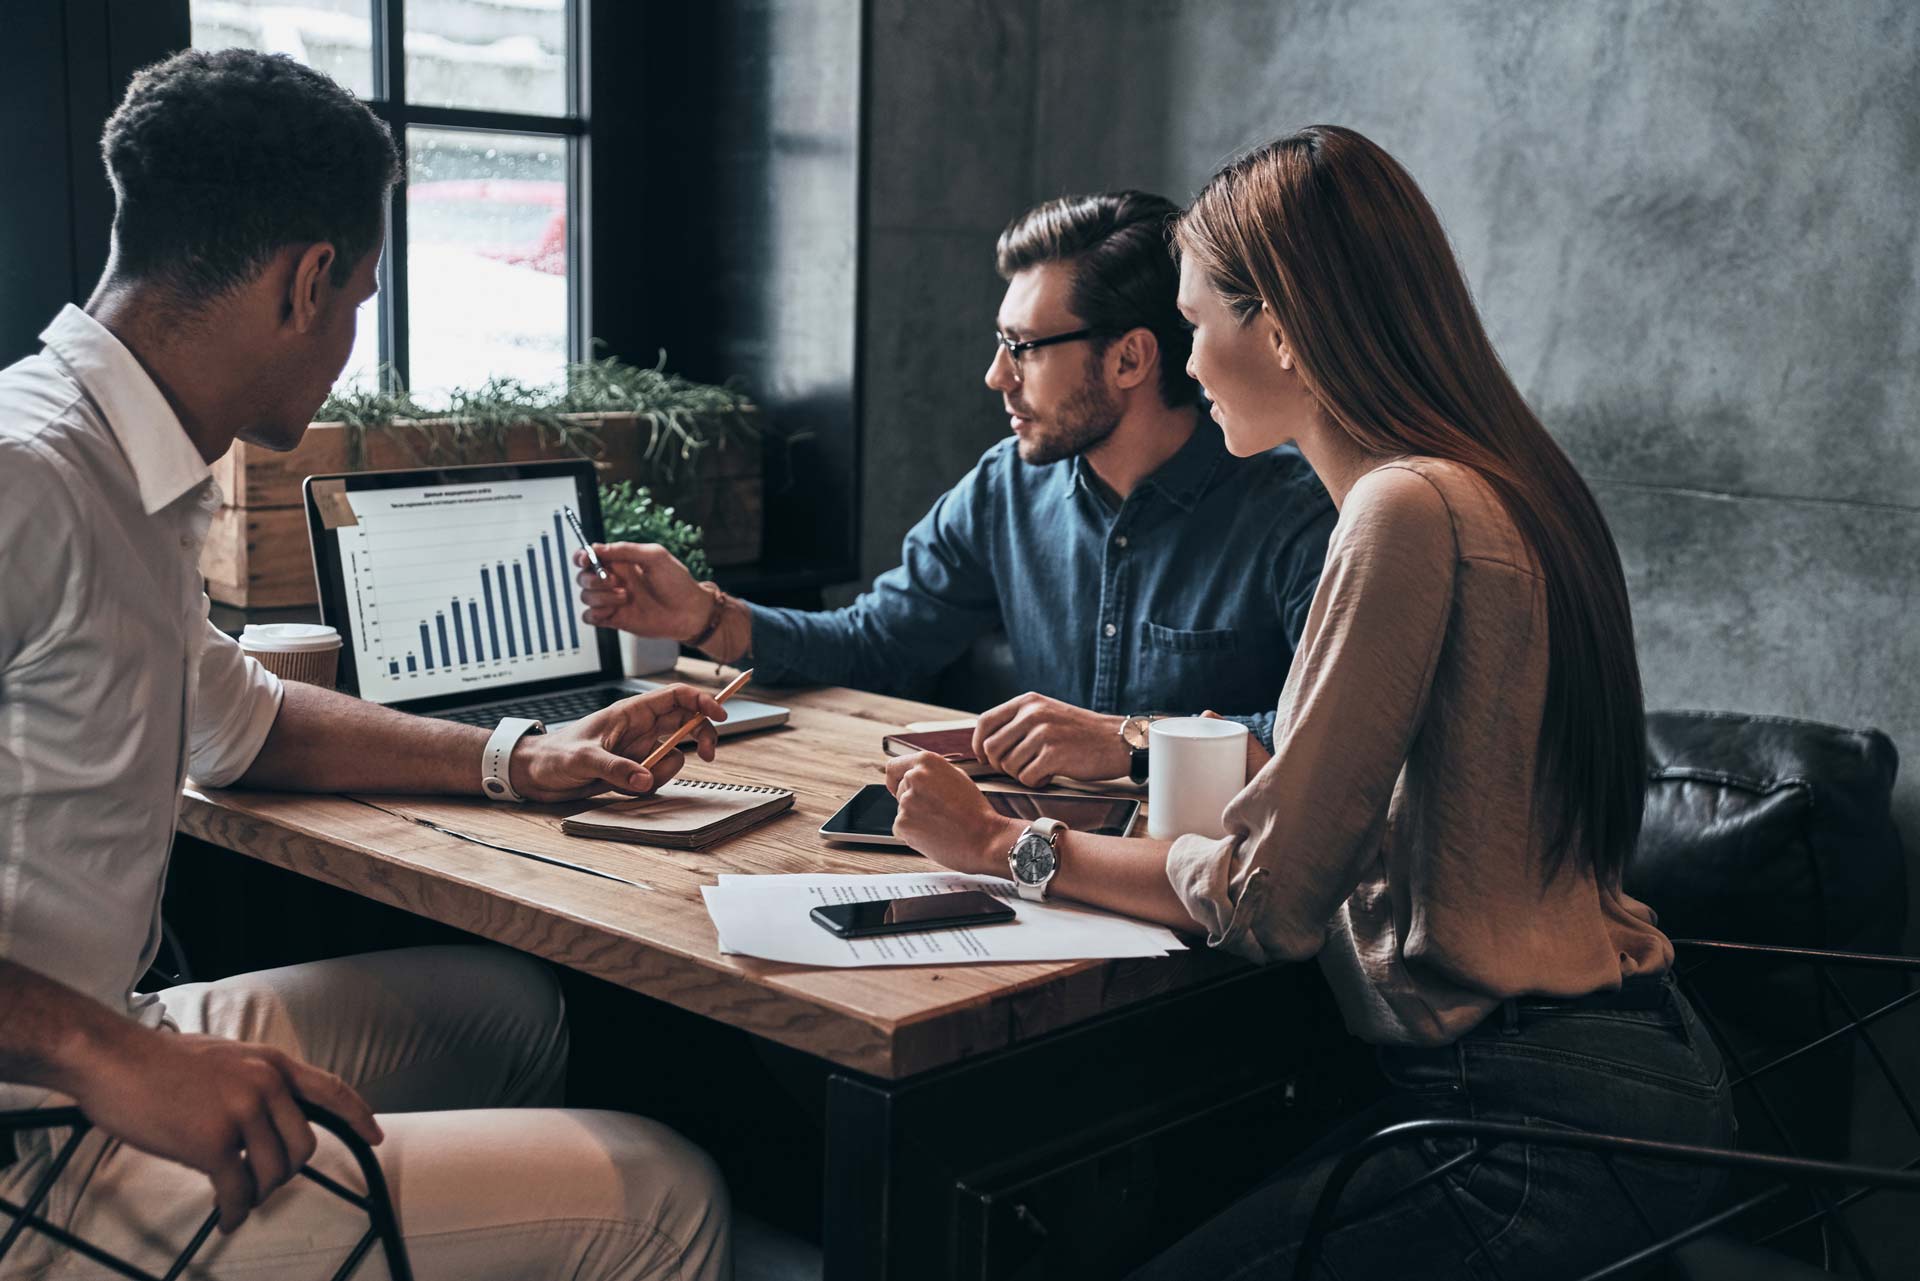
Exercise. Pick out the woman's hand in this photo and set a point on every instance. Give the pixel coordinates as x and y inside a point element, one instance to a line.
<point>944,816</point>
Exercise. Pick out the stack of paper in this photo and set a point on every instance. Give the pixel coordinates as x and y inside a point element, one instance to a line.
<point>769,917</point>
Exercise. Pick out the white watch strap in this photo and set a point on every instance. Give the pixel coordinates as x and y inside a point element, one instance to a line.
<point>1051,829</point>
<point>494,780</point>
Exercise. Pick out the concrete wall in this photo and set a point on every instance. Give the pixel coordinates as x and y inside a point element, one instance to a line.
<point>1693,228</point>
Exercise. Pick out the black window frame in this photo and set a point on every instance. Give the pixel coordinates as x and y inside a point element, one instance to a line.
<point>389,102</point>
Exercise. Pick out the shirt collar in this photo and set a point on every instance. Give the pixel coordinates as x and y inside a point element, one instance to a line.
<point>164,462</point>
<point>1184,477</point>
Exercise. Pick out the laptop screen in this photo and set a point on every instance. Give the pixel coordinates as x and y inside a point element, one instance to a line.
<point>456,584</point>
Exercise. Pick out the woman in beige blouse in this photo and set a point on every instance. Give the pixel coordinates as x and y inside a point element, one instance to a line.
<point>1459,765</point>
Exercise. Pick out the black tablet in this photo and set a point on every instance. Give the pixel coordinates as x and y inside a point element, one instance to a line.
<point>867,819</point>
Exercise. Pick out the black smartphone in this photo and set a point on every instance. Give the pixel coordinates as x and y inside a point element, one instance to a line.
<point>867,819</point>
<point>923,912</point>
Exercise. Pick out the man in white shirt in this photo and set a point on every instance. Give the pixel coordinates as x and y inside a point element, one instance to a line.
<point>250,196</point>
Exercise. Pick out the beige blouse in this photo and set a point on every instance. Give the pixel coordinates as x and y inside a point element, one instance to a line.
<point>1394,833</point>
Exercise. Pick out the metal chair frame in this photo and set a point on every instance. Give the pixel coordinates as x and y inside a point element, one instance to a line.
<point>382,1226</point>
<point>1854,1181</point>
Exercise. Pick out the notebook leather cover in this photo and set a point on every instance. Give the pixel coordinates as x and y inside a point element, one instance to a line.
<point>954,744</point>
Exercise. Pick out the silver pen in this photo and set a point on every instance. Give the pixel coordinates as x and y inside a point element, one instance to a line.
<point>573,522</point>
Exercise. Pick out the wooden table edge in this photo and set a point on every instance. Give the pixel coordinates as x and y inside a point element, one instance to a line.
<point>735,991</point>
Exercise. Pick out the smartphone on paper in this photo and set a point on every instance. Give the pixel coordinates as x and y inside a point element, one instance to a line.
<point>867,819</point>
<point>923,912</point>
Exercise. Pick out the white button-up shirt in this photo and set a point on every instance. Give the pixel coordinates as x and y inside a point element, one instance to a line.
<point>113,684</point>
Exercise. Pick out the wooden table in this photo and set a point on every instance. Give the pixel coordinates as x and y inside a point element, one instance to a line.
<point>893,1032</point>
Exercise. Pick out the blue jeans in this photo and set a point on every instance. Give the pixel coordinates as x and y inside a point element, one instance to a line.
<point>1642,1067</point>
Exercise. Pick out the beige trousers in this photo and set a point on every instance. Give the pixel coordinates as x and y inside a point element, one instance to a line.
<point>460,1050</point>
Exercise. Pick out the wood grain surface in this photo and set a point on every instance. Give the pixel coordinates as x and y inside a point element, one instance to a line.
<point>649,931</point>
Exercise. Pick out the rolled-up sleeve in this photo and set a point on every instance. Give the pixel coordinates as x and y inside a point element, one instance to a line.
<point>233,710</point>
<point>1301,835</point>
<point>1260,725</point>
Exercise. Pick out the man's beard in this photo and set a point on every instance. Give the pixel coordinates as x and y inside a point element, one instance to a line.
<point>1084,420</point>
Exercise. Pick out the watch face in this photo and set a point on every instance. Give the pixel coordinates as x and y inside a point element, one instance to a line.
<point>1033,858</point>
<point>1133,731</point>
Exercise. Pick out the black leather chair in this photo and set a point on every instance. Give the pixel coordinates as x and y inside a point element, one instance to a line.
<point>1775,836</point>
<point>382,1226</point>
<point>1787,1216</point>
<point>1762,829</point>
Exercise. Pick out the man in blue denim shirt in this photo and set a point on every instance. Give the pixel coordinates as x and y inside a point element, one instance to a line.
<point>1135,565</point>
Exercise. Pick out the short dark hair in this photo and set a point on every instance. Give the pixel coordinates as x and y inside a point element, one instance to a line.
<point>1123,276</point>
<point>220,159</point>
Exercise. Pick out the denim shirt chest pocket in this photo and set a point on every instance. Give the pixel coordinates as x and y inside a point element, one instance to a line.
<point>1173,640</point>
<point>1191,670</point>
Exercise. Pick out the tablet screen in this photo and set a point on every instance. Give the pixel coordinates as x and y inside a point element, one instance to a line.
<point>869,815</point>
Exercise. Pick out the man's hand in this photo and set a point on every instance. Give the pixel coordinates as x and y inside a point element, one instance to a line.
<point>603,751</point>
<point>944,816</point>
<point>1257,756</point>
<point>651,594</point>
<point>1033,738</point>
<point>228,1109</point>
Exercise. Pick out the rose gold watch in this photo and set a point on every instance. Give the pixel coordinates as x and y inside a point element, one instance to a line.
<point>1133,732</point>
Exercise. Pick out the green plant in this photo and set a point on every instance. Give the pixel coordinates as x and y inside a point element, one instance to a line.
<point>684,418</point>
<point>631,515</point>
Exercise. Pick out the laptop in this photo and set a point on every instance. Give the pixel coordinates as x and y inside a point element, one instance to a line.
<point>453,591</point>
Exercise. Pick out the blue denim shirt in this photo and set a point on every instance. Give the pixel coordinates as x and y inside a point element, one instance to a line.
<point>1189,596</point>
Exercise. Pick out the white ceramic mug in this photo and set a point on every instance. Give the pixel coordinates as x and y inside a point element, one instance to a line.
<point>1195,765</point>
<point>308,652</point>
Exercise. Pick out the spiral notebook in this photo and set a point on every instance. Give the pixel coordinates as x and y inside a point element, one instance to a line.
<point>681,815</point>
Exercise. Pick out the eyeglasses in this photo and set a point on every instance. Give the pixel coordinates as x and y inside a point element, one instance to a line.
<point>1015,350</point>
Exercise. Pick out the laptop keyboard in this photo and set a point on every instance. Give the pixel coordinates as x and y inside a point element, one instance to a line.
<point>549,709</point>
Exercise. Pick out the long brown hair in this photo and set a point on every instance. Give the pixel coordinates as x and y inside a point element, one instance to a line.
<point>1336,240</point>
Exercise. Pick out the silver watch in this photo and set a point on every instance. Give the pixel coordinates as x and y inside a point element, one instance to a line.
<point>494,780</point>
<point>1035,857</point>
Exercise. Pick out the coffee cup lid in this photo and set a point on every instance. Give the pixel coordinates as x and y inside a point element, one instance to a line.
<point>289,638</point>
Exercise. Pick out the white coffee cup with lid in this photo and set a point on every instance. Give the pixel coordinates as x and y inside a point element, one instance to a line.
<point>307,652</point>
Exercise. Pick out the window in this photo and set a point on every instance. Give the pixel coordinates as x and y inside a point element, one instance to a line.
<point>482,276</point>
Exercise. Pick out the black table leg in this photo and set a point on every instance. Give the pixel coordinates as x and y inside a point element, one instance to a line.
<point>1090,1149</point>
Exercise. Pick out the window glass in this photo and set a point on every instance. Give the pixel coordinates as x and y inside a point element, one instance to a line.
<point>334,36</point>
<point>362,370</point>
<point>498,55</point>
<point>486,258</point>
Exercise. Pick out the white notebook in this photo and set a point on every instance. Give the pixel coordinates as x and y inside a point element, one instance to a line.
<point>681,815</point>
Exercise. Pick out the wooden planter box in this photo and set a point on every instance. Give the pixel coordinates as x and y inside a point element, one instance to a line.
<point>257,554</point>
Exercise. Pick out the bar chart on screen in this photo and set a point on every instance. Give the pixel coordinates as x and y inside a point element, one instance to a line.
<point>456,587</point>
